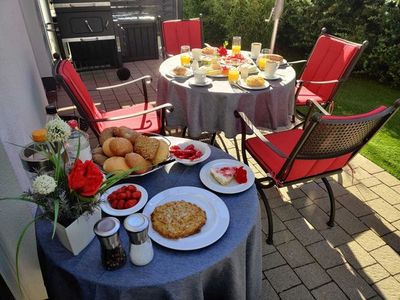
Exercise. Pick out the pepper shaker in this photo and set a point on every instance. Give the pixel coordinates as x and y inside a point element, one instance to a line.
<point>112,254</point>
<point>141,249</point>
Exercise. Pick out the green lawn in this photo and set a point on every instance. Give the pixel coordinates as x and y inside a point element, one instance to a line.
<point>361,95</point>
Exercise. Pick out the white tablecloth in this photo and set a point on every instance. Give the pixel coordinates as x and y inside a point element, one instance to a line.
<point>211,108</point>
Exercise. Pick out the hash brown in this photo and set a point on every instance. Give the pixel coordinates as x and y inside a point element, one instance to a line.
<point>178,219</point>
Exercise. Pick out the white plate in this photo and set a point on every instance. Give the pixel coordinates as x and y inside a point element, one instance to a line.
<point>217,76</point>
<point>208,81</point>
<point>203,147</point>
<point>243,84</point>
<point>215,209</point>
<point>172,74</point>
<point>273,77</point>
<point>106,207</point>
<point>233,187</point>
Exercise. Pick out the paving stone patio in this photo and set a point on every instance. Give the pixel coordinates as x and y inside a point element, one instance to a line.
<point>357,259</point>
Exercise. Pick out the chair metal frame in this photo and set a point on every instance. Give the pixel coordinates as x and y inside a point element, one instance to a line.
<point>145,80</point>
<point>165,55</point>
<point>304,152</point>
<point>329,102</point>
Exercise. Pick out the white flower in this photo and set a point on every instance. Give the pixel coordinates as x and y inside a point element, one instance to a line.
<point>44,185</point>
<point>57,130</point>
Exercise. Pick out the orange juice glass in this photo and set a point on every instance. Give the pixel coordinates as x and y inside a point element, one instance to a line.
<point>185,59</point>
<point>233,75</point>
<point>236,44</point>
<point>261,63</point>
<point>236,49</point>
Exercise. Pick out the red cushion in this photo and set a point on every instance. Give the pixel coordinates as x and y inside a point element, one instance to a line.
<point>354,117</point>
<point>329,60</point>
<point>78,88</point>
<point>146,123</point>
<point>181,32</point>
<point>286,141</point>
<point>306,94</point>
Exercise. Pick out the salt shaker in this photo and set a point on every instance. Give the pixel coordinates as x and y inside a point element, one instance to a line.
<point>141,249</point>
<point>112,254</point>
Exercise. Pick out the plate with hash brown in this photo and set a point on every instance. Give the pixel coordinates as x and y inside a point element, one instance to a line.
<point>209,218</point>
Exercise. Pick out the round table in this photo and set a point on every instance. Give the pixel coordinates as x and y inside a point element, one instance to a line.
<point>228,269</point>
<point>211,108</point>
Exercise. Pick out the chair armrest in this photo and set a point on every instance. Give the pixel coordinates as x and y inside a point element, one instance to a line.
<point>297,62</point>
<point>300,81</point>
<point>246,120</point>
<point>313,102</point>
<point>166,106</point>
<point>146,79</point>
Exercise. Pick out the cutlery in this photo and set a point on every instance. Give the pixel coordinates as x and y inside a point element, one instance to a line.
<point>234,84</point>
<point>166,162</point>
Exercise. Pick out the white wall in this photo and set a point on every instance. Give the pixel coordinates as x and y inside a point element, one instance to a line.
<point>22,101</point>
<point>34,26</point>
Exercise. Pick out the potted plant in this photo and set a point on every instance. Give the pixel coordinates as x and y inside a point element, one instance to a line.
<point>67,194</point>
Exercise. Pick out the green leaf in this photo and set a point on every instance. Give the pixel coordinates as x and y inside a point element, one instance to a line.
<point>56,210</point>
<point>19,241</point>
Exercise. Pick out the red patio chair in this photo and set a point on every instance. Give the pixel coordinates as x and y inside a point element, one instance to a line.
<point>142,117</point>
<point>175,33</point>
<point>323,148</point>
<point>329,64</point>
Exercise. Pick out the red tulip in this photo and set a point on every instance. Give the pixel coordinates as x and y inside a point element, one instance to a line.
<point>85,178</point>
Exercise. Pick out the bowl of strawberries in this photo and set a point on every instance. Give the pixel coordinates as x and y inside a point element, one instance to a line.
<point>190,152</point>
<point>123,199</point>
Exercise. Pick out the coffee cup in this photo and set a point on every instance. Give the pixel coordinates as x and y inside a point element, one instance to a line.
<point>255,50</point>
<point>199,77</point>
<point>271,67</point>
<point>196,53</point>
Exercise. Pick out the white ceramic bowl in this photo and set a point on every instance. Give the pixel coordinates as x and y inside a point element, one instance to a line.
<point>106,207</point>
<point>203,147</point>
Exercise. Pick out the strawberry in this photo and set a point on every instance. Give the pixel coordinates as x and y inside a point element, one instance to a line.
<point>130,203</point>
<point>132,188</point>
<point>121,204</point>
<point>137,195</point>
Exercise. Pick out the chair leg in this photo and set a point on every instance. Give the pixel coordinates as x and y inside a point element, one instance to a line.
<point>184,131</point>
<point>212,140</point>
<point>269,214</point>
<point>331,221</point>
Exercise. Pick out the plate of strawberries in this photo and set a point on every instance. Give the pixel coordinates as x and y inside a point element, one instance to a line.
<point>123,199</point>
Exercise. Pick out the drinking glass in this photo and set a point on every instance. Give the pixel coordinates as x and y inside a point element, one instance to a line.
<point>185,55</point>
<point>262,59</point>
<point>233,75</point>
<point>196,53</point>
<point>236,44</point>
<point>255,49</point>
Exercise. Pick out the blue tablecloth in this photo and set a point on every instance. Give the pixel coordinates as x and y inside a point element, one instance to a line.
<point>227,269</point>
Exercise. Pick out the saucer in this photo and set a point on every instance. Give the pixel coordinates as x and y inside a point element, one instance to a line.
<point>273,77</point>
<point>208,81</point>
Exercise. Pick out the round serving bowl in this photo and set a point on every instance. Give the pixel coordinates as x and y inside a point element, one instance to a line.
<point>200,146</point>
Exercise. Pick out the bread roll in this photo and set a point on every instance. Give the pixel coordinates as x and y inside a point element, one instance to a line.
<point>120,146</point>
<point>146,147</point>
<point>162,153</point>
<point>106,134</point>
<point>99,158</point>
<point>255,81</point>
<point>106,147</point>
<point>180,71</point>
<point>134,160</point>
<point>115,164</point>
<point>98,150</point>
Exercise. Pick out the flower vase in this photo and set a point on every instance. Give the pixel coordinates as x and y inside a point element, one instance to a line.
<point>79,233</point>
